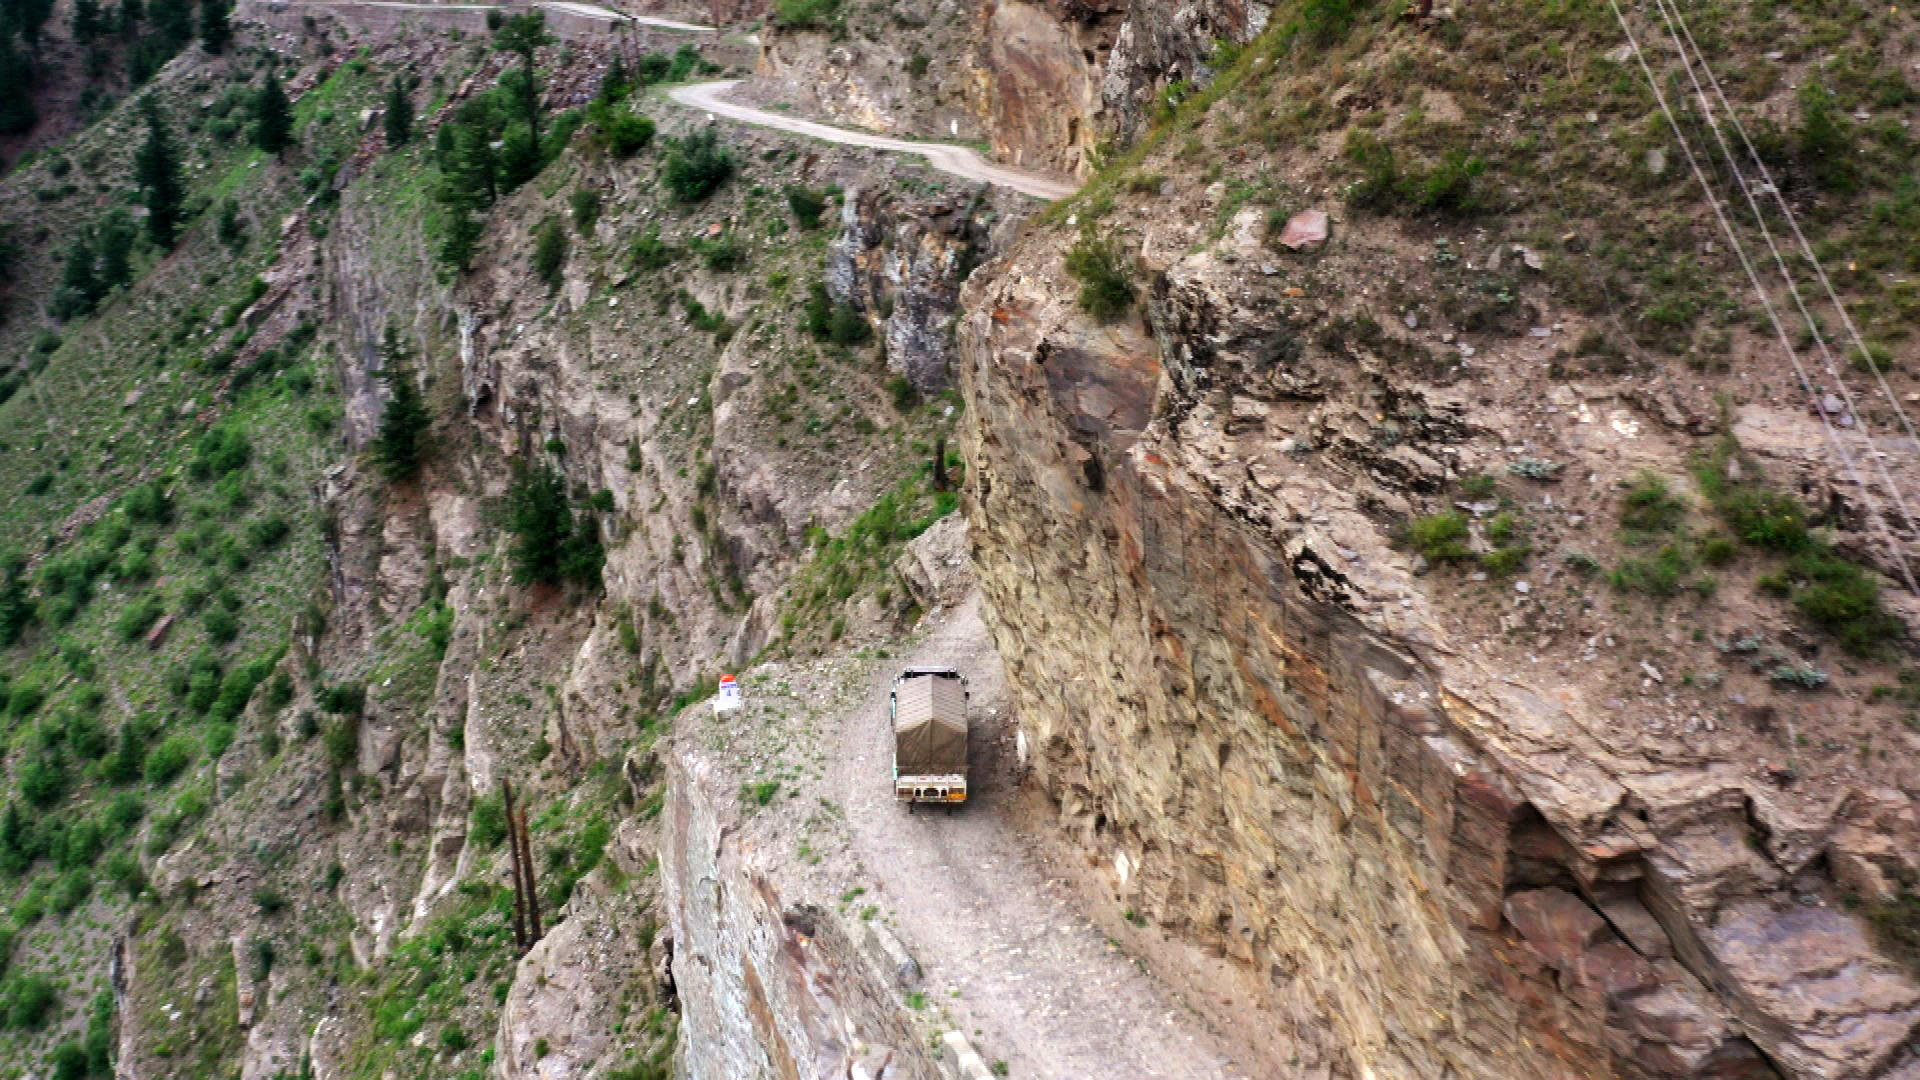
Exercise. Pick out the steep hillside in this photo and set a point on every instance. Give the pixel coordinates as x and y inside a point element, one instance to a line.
<point>268,675</point>
<point>1443,634</point>
<point>1462,622</point>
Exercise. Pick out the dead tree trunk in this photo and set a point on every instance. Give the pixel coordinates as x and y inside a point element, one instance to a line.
<point>520,940</point>
<point>534,932</point>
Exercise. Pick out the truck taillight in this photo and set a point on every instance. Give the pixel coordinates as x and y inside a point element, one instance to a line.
<point>956,796</point>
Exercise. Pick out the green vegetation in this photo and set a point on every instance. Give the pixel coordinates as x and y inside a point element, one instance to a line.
<point>272,117</point>
<point>696,166</point>
<point>521,35</point>
<point>550,547</point>
<point>1440,536</point>
<point>550,246</point>
<point>400,447</point>
<point>1895,919</point>
<point>1101,268</point>
<point>827,319</point>
<point>1649,507</point>
<point>842,566</point>
<point>157,174</point>
<point>806,14</point>
<point>585,204</point>
<point>398,118</point>
<point>1662,574</point>
<point>1386,184</point>
<point>807,205</point>
<point>1830,591</point>
<point>216,29</point>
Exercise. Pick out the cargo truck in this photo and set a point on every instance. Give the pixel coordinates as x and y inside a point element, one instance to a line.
<point>929,712</point>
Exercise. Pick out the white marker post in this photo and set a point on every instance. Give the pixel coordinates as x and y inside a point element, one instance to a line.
<point>728,699</point>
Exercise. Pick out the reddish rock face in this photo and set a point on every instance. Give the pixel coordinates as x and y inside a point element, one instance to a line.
<point>1556,924</point>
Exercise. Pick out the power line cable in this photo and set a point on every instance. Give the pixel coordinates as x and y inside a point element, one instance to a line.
<point>1813,326</point>
<point>1753,279</point>
<point>1806,249</point>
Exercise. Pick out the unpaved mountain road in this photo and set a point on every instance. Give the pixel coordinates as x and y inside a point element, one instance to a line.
<point>962,161</point>
<point>983,916</point>
<point>591,11</point>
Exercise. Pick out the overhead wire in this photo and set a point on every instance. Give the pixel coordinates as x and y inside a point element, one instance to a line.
<point>1813,326</point>
<point>1793,221</point>
<point>1766,302</point>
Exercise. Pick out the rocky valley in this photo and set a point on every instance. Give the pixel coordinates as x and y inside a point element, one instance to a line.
<point>1418,495</point>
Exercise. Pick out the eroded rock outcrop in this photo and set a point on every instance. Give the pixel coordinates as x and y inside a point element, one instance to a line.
<point>766,989</point>
<point>1244,699</point>
<point>902,261</point>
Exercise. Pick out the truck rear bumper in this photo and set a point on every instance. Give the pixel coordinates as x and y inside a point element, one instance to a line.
<point>930,789</point>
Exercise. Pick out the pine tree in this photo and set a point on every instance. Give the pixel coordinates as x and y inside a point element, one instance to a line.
<point>445,153</point>
<point>521,35</point>
<point>475,172</point>
<point>17,111</point>
<point>156,170</point>
<point>172,22</point>
<point>17,611</point>
<point>401,444</point>
<point>215,29</point>
<point>79,289</point>
<point>272,117</point>
<point>26,18</point>
<point>616,84</point>
<point>399,114</point>
<point>229,229</point>
<point>113,250</point>
<point>460,235</point>
<point>549,547</point>
<point>89,21</point>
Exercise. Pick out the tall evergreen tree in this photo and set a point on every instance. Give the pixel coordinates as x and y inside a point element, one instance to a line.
<point>475,170</point>
<point>89,21</point>
<point>444,150</point>
<point>399,113</point>
<point>156,169</point>
<point>549,546</point>
<point>26,18</point>
<point>521,35</point>
<point>79,289</point>
<point>113,250</point>
<point>272,117</point>
<point>401,445</point>
<point>215,29</point>
<point>459,236</point>
<point>172,22</point>
<point>17,111</point>
<point>17,611</point>
<point>616,84</point>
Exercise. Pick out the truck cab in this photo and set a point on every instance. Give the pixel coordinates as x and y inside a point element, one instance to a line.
<point>928,709</point>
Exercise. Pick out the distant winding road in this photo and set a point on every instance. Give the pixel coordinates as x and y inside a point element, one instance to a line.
<point>961,161</point>
<point>591,11</point>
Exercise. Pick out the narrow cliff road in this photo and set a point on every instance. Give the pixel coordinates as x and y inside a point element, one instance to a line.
<point>961,161</point>
<point>1045,990</point>
<point>590,11</point>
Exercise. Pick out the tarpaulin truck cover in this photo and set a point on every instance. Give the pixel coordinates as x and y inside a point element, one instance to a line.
<point>930,726</point>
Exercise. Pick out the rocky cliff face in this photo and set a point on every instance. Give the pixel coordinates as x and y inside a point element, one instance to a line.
<point>902,262</point>
<point>1429,855</point>
<point>770,987</point>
